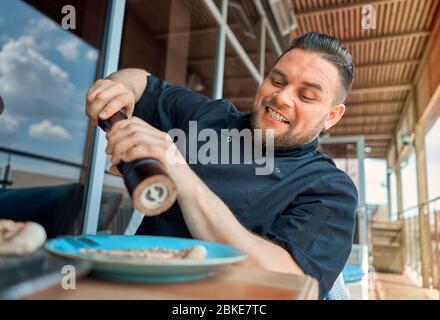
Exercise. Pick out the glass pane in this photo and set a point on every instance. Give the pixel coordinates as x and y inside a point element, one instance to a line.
<point>174,40</point>
<point>393,194</point>
<point>349,166</point>
<point>433,160</point>
<point>45,72</point>
<point>375,184</point>
<point>409,184</point>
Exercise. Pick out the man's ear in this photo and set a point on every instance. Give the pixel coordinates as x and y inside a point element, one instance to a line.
<point>334,116</point>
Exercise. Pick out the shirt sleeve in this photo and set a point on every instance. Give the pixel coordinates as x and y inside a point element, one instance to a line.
<point>318,228</point>
<point>166,106</point>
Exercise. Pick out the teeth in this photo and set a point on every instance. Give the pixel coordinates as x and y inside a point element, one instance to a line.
<point>276,115</point>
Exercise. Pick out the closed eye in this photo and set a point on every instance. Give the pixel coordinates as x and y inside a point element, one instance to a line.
<point>277,83</point>
<point>305,98</point>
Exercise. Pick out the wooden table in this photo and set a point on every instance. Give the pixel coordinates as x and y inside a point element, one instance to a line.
<point>228,283</point>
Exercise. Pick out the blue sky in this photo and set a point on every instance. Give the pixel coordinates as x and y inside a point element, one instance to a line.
<point>45,73</point>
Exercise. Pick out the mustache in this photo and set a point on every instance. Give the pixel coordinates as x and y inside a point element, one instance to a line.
<point>269,102</point>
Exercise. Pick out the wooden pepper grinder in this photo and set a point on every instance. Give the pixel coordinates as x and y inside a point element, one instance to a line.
<point>152,190</point>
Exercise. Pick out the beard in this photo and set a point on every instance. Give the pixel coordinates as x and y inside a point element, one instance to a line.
<point>287,139</point>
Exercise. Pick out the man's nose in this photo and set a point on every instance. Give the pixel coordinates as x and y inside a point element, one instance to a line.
<point>284,98</point>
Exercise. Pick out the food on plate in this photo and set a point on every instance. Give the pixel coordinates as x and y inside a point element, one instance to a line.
<point>197,252</point>
<point>20,238</point>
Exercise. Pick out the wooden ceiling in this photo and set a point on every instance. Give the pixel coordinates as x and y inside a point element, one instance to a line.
<point>386,58</point>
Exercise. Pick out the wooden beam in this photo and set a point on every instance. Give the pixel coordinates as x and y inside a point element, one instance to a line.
<point>378,143</point>
<point>348,6</point>
<point>395,87</point>
<point>358,90</point>
<point>370,116</point>
<point>358,66</point>
<point>241,99</point>
<point>353,130</point>
<point>193,32</point>
<point>178,46</point>
<point>427,50</point>
<point>399,191</point>
<point>373,103</point>
<point>391,37</point>
<point>378,136</point>
<point>349,105</point>
<point>422,193</point>
<point>388,64</point>
<point>228,57</point>
<point>432,112</point>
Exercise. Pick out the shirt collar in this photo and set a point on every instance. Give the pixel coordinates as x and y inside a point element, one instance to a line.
<point>299,150</point>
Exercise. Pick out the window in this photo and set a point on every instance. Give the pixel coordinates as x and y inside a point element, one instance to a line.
<point>393,195</point>
<point>433,160</point>
<point>409,184</point>
<point>45,72</point>
<point>375,182</point>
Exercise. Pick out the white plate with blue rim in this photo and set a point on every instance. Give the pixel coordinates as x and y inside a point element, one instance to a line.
<point>145,269</point>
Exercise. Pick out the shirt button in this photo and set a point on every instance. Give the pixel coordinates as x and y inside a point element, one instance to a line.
<point>277,170</point>
<point>229,139</point>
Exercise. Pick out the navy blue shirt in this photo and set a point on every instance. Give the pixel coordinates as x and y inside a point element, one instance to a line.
<point>306,205</point>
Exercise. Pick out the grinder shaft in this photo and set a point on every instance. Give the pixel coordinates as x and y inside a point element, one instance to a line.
<point>150,187</point>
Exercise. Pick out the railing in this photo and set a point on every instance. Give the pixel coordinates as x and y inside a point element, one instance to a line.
<point>433,211</point>
<point>5,178</point>
<point>410,218</point>
<point>34,156</point>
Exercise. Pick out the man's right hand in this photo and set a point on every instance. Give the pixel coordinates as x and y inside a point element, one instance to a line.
<point>121,89</point>
<point>106,97</point>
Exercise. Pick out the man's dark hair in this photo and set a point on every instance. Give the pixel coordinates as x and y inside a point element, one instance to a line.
<point>332,50</point>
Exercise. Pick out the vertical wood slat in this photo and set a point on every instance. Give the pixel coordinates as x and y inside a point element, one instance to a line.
<point>414,44</point>
<point>405,16</point>
<point>393,13</point>
<point>323,22</point>
<point>405,49</point>
<point>430,19</point>
<point>418,13</point>
<point>386,19</point>
<point>399,28</point>
<point>352,20</point>
<point>420,25</point>
<point>346,23</point>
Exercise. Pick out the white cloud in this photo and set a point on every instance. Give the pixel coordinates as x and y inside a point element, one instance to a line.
<point>45,130</point>
<point>32,85</point>
<point>41,26</point>
<point>92,54</point>
<point>8,124</point>
<point>69,48</point>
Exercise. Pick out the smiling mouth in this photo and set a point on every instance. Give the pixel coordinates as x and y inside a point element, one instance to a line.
<point>275,115</point>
